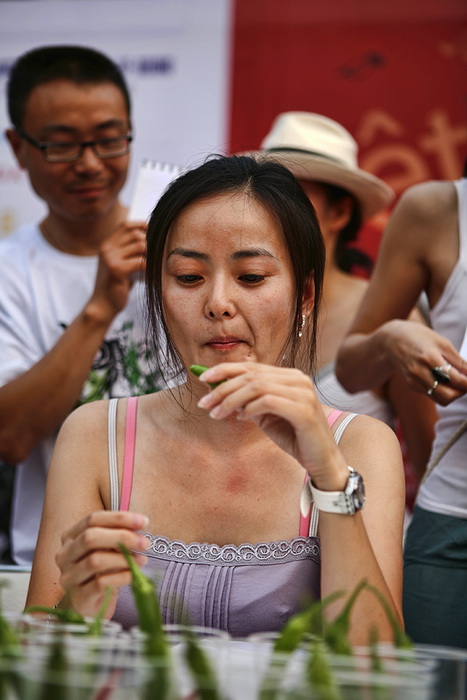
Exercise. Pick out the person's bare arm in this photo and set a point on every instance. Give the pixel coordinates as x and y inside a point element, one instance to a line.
<point>418,251</point>
<point>417,415</point>
<point>77,554</point>
<point>33,405</point>
<point>373,449</point>
<point>366,545</point>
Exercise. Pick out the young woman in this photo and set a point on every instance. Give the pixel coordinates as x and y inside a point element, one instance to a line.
<point>425,243</point>
<point>218,494</point>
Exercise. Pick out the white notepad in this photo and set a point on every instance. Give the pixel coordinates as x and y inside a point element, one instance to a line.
<point>463,350</point>
<point>152,179</point>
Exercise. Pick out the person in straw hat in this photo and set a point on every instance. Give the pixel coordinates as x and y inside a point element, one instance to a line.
<point>323,156</point>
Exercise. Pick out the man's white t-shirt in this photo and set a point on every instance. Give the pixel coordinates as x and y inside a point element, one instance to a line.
<point>42,290</point>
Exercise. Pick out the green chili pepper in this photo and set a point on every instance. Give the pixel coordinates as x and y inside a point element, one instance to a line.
<point>400,638</point>
<point>53,684</point>
<point>197,370</point>
<point>10,651</point>
<point>303,623</point>
<point>319,673</point>
<point>306,622</point>
<point>379,690</point>
<point>63,615</point>
<point>150,622</point>
<point>95,628</point>
<point>201,669</point>
<point>8,637</point>
<point>336,632</point>
<point>375,658</point>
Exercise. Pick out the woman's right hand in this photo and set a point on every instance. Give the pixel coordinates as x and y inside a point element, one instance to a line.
<point>414,349</point>
<point>90,560</point>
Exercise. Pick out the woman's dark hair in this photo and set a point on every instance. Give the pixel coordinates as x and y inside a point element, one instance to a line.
<point>278,191</point>
<point>79,64</point>
<point>347,257</point>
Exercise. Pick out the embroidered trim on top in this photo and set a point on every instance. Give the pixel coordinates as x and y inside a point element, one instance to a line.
<point>264,552</point>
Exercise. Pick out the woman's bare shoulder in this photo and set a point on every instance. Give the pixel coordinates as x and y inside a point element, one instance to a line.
<point>89,419</point>
<point>432,198</point>
<point>370,435</point>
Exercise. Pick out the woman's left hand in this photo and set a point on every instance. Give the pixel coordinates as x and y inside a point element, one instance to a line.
<point>283,403</point>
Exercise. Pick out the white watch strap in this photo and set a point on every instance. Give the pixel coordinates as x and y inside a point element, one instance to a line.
<point>333,501</point>
<point>329,501</point>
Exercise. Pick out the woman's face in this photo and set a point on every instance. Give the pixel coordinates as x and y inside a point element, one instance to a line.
<point>332,217</point>
<point>317,196</point>
<point>227,282</point>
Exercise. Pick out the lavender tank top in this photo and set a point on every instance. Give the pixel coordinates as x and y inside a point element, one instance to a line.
<point>240,589</point>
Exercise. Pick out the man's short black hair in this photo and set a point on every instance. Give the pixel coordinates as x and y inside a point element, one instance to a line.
<point>79,64</point>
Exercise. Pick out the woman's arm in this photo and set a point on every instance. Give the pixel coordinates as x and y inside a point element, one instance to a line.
<point>77,554</point>
<point>417,415</point>
<point>418,251</point>
<point>368,544</point>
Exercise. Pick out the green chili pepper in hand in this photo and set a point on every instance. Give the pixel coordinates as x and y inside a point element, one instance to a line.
<point>95,628</point>
<point>147,605</point>
<point>150,622</point>
<point>197,370</point>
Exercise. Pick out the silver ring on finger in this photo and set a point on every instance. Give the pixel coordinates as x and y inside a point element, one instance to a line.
<point>432,388</point>
<point>442,373</point>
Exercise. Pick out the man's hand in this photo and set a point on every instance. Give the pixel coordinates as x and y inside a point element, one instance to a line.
<point>121,256</point>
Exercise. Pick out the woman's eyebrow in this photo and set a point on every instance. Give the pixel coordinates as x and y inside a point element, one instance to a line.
<point>238,255</point>
<point>187,253</point>
<point>252,253</point>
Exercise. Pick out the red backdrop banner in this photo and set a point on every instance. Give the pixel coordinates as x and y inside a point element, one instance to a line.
<point>395,77</point>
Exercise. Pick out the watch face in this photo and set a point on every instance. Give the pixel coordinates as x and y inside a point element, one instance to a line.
<point>356,489</point>
<point>359,495</point>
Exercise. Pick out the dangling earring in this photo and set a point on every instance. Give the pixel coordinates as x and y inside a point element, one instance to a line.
<point>300,330</point>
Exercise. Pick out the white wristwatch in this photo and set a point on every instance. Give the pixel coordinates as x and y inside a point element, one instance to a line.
<point>346,502</point>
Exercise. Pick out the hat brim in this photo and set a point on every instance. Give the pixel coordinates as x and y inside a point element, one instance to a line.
<point>372,193</point>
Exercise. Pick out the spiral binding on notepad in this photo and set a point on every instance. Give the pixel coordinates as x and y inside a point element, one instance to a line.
<point>160,166</point>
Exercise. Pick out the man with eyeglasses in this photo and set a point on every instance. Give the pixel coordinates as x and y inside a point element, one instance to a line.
<point>71,329</point>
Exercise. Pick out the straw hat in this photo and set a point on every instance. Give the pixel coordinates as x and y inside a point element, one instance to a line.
<point>317,148</point>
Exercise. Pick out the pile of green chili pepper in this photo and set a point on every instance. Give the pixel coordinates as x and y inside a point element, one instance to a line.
<point>308,631</point>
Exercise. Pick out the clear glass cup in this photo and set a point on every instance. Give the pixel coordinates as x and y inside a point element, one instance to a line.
<point>403,675</point>
<point>211,643</point>
<point>41,624</point>
<point>450,669</point>
<point>121,679</point>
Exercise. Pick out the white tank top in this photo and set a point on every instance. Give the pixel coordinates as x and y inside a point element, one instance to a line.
<point>331,392</point>
<point>445,490</point>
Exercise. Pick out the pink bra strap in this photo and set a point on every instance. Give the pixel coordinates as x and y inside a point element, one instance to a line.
<point>304,530</point>
<point>305,520</point>
<point>333,416</point>
<point>129,454</point>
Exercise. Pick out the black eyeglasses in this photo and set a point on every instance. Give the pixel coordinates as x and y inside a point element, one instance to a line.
<point>67,151</point>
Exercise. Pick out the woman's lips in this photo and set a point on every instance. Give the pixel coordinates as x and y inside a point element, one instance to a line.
<point>224,343</point>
